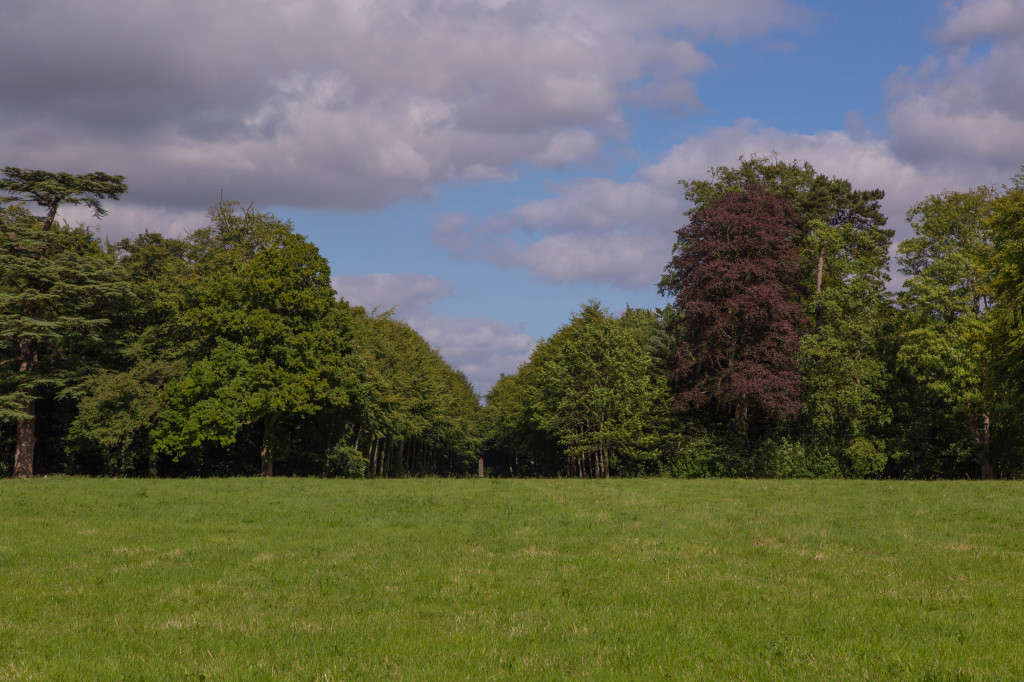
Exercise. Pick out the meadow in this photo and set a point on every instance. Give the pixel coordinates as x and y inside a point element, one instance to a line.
<point>308,579</point>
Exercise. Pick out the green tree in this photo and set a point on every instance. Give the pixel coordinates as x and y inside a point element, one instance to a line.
<point>415,414</point>
<point>841,360</point>
<point>596,395</point>
<point>119,403</point>
<point>55,285</point>
<point>945,300</point>
<point>270,348</point>
<point>53,190</point>
<point>37,306</point>
<point>1006,224</point>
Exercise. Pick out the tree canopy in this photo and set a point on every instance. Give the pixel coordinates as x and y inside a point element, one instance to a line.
<point>783,349</point>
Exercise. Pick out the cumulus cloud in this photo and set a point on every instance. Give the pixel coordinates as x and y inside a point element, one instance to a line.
<point>407,293</point>
<point>482,348</point>
<point>962,109</point>
<point>339,103</point>
<point>973,19</point>
<point>568,146</point>
<point>621,233</point>
<point>624,259</point>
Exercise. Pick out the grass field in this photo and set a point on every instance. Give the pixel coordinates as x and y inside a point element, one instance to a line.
<point>510,579</point>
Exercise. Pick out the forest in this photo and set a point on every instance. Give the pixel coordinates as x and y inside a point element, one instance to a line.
<point>783,348</point>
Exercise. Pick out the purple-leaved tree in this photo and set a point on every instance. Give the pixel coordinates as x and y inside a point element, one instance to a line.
<point>735,276</point>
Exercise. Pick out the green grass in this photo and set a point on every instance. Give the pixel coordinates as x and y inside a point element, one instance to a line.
<point>505,579</point>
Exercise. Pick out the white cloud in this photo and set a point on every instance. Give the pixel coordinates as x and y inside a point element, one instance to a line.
<point>621,258</point>
<point>621,233</point>
<point>568,146</point>
<point>973,19</point>
<point>482,348</point>
<point>962,111</point>
<point>408,292</point>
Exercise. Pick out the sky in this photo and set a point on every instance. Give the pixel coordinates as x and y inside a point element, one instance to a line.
<point>485,167</point>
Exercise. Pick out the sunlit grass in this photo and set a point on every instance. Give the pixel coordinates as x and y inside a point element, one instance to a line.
<point>506,579</point>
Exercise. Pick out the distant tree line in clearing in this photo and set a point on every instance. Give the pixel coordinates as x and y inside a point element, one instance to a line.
<point>781,351</point>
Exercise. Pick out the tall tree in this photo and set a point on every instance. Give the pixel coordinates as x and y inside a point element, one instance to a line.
<point>735,278</point>
<point>35,310</point>
<point>946,298</point>
<point>596,395</point>
<point>54,288</point>
<point>840,359</point>
<point>271,349</point>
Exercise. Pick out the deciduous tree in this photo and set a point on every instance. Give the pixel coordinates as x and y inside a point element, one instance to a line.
<point>263,307</point>
<point>735,278</point>
<point>946,298</point>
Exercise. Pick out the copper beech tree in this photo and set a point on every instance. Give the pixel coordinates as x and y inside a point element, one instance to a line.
<point>735,276</point>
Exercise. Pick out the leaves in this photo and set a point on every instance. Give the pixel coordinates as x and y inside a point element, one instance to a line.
<point>735,278</point>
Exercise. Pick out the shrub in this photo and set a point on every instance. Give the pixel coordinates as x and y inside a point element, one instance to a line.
<point>344,461</point>
<point>784,458</point>
<point>864,459</point>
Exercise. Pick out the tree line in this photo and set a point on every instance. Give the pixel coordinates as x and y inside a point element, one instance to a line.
<point>225,352</point>
<point>782,349</point>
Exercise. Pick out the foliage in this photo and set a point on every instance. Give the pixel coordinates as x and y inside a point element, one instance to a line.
<point>53,190</point>
<point>946,297</point>
<point>226,351</point>
<point>345,461</point>
<point>734,277</point>
<point>595,396</point>
<point>414,414</point>
<point>56,286</point>
<point>262,306</point>
<point>841,360</point>
<point>1006,332</point>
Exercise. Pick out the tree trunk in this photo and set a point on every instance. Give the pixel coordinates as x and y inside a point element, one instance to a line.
<point>817,290</point>
<point>51,215</point>
<point>987,471</point>
<point>267,452</point>
<point>25,450</point>
<point>980,436</point>
<point>24,453</point>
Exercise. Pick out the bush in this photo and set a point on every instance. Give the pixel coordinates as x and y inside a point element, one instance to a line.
<point>344,461</point>
<point>691,454</point>
<point>783,458</point>
<point>864,459</point>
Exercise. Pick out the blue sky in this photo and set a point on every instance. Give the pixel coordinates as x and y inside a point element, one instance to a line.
<point>484,167</point>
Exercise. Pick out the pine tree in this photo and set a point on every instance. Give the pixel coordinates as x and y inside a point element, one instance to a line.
<point>54,286</point>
